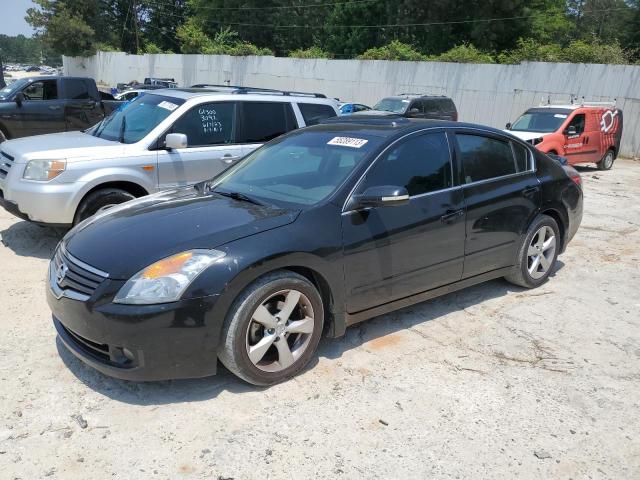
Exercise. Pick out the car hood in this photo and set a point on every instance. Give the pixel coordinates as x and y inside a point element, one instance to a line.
<point>526,136</point>
<point>54,146</point>
<point>124,240</point>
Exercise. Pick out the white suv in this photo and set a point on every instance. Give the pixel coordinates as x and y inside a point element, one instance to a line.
<point>162,139</point>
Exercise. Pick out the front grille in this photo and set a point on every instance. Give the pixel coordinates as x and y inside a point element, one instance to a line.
<point>6,161</point>
<point>70,274</point>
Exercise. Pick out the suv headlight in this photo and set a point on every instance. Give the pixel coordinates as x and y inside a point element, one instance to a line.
<point>166,280</point>
<point>44,170</point>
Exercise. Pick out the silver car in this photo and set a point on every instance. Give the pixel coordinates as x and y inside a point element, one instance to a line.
<point>160,140</point>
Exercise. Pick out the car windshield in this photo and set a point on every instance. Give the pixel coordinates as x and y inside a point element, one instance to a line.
<point>395,105</point>
<point>298,170</point>
<point>132,121</point>
<point>8,91</point>
<point>545,122</point>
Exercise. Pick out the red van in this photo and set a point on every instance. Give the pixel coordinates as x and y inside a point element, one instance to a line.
<point>583,133</point>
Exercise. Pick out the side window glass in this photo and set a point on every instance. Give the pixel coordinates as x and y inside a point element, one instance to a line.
<point>522,156</point>
<point>421,164</point>
<point>578,123</point>
<point>44,90</point>
<point>76,90</point>
<point>208,124</point>
<point>484,158</point>
<point>416,109</point>
<point>264,121</point>
<point>314,112</point>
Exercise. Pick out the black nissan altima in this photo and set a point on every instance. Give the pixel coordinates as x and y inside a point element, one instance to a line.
<point>315,231</point>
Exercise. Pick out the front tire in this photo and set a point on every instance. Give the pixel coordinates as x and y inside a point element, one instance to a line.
<point>100,200</point>
<point>538,253</point>
<point>607,161</point>
<point>272,329</point>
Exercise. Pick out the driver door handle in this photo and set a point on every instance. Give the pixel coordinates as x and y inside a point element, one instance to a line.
<point>229,159</point>
<point>54,107</point>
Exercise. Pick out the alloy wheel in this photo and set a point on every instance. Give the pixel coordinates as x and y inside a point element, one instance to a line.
<point>541,252</point>
<point>280,330</point>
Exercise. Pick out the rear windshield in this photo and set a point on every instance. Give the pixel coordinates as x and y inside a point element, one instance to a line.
<point>544,122</point>
<point>133,121</point>
<point>395,105</point>
<point>298,170</point>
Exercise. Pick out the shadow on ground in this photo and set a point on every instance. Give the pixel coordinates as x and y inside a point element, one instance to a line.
<point>180,391</point>
<point>27,239</point>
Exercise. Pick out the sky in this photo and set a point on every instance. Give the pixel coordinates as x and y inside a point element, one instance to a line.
<point>13,22</point>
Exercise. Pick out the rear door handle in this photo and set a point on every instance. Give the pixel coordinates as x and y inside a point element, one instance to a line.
<point>451,215</point>
<point>530,191</point>
<point>54,107</point>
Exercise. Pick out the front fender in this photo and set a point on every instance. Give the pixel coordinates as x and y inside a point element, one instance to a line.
<point>93,179</point>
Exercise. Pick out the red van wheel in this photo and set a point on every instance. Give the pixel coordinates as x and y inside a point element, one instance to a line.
<point>607,161</point>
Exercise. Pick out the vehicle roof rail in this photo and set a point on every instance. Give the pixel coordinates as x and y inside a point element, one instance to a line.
<point>240,90</point>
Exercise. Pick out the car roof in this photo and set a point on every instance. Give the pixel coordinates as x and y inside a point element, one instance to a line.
<point>390,125</point>
<point>416,95</point>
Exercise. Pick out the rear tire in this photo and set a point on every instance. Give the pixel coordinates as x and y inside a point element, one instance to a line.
<point>607,161</point>
<point>100,200</point>
<point>272,329</point>
<point>538,253</point>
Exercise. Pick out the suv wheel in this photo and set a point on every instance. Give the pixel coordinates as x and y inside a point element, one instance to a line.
<point>537,254</point>
<point>100,200</point>
<point>607,161</point>
<point>272,328</point>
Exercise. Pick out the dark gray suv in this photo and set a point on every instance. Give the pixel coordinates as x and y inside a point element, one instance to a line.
<point>413,105</point>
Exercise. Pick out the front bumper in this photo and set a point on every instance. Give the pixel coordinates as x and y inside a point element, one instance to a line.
<point>41,202</point>
<point>142,343</point>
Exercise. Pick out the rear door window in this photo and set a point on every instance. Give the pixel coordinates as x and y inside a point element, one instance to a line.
<point>313,113</point>
<point>484,158</point>
<point>264,121</point>
<point>76,89</point>
<point>208,124</point>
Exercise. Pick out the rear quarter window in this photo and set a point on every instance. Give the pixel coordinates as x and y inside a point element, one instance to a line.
<point>313,113</point>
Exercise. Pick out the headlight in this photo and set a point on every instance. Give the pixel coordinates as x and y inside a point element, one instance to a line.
<point>44,170</point>
<point>166,280</point>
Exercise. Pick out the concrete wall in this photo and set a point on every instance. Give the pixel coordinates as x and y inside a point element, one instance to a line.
<point>487,94</point>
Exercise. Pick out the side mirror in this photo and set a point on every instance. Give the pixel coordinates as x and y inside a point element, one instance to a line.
<point>508,126</point>
<point>19,98</point>
<point>382,196</point>
<point>175,140</point>
<point>571,131</point>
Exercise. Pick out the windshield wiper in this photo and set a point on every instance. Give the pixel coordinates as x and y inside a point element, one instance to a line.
<point>238,196</point>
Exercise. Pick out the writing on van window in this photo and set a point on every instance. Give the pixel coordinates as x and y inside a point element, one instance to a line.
<point>209,119</point>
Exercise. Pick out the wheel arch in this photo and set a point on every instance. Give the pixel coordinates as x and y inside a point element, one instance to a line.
<point>555,214</point>
<point>128,186</point>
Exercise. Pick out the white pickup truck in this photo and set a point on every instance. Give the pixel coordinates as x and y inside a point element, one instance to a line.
<point>162,139</point>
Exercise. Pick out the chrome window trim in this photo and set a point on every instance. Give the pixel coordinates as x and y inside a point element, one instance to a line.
<point>375,160</point>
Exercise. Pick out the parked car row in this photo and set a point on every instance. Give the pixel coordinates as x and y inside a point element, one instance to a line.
<point>265,220</point>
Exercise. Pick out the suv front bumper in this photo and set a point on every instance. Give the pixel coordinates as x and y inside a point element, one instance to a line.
<point>40,202</point>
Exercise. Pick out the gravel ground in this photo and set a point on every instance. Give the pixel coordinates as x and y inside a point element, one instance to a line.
<point>490,382</point>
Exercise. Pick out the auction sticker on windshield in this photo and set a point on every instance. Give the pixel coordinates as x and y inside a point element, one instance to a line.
<point>168,106</point>
<point>347,142</point>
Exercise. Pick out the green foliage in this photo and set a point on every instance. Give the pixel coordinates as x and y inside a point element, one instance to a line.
<point>478,31</point>
<point>578,51</point>
<point>393,51</point>
<point>311,52</point>
<point>465,53</point>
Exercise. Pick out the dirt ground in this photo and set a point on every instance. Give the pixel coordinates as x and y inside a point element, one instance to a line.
<point>490,382</point>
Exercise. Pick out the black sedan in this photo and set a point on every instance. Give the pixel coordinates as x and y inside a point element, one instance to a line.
<point>315,231</point>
